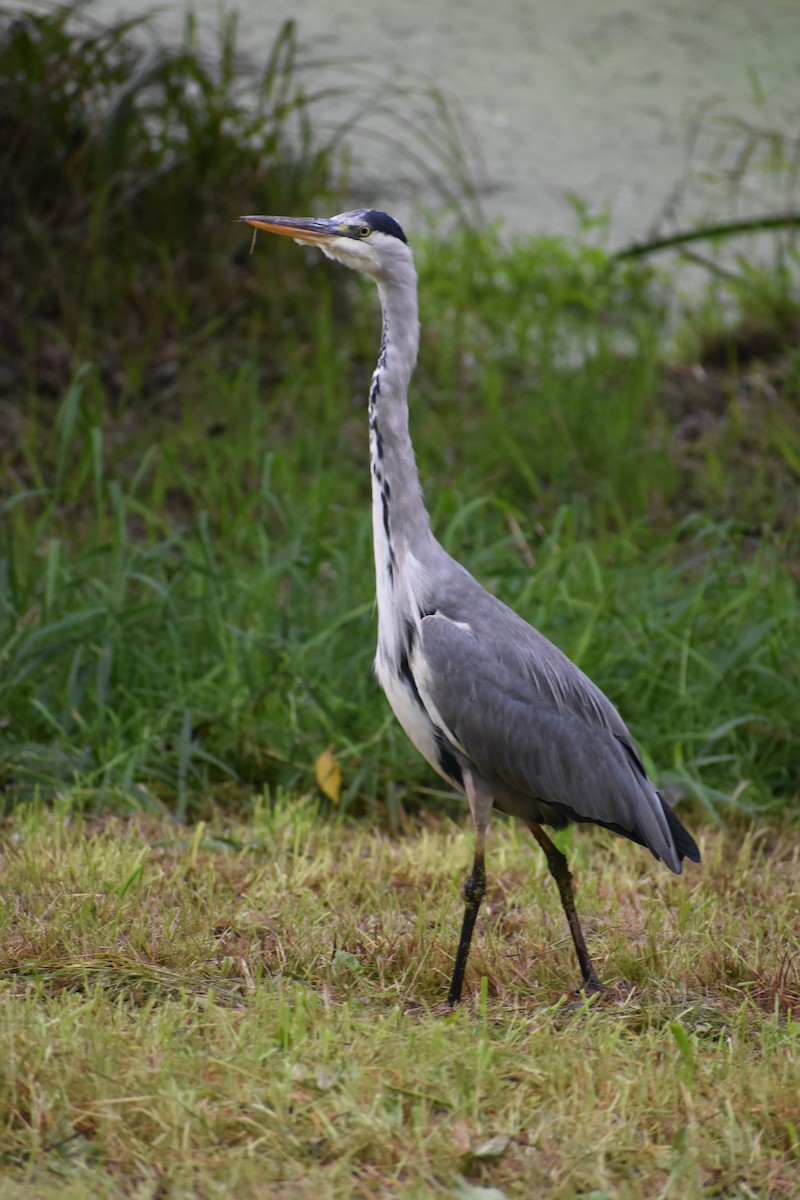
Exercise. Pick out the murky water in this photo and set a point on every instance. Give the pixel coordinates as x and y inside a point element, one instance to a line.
<point>590,97</point>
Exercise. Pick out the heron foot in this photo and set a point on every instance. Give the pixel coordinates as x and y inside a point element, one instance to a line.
<point>611,992</point>
<point>593,985</point>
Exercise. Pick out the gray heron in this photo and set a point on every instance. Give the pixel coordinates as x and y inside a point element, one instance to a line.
<point>496,709</point>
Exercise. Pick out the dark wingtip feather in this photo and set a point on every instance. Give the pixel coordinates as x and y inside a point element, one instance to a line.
<point>685,845</point>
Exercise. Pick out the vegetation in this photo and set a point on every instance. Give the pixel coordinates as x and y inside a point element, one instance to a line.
<point>231,890</point>
<point>258,1007</point>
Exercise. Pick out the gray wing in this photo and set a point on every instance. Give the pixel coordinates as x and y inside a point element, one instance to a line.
<point>537,729</point>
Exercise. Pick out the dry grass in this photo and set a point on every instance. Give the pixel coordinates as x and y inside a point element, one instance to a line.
<point>257,1010</point>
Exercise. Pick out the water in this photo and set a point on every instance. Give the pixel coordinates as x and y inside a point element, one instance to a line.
<point>589,97</point>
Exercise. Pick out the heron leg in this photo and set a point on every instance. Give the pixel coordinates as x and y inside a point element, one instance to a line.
<point>480,803</point>
<point>559,869</point>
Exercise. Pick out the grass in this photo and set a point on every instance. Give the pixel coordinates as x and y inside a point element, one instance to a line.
<point>186,601</point>
<point>191,1011</point>
<point>217,979</point>
<point>127,161</point>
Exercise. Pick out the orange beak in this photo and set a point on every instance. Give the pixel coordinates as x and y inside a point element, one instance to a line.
<point>302,229</point>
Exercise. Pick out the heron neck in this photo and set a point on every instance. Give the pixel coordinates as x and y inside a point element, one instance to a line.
<point>400,520</point>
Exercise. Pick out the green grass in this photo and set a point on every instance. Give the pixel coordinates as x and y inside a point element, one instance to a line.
<point>216,980</point>
<point>185,574</point>
<point>186,601</point>
<point>125,163</point>
<point>259,1006</point>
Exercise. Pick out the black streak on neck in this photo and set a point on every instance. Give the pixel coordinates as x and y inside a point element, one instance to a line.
<point>377,443</point>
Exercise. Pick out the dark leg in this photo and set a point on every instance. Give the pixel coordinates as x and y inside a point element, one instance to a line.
<point>480,803</point>
<point>473,894</point>
<point>560,872</point>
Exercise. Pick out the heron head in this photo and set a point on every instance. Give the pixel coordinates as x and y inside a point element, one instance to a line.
<point>366,239</point>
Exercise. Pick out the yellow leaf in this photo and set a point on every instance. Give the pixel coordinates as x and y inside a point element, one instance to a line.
<point>328,774</point>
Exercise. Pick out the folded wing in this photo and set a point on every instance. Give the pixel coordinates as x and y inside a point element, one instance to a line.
<point>541,733</point>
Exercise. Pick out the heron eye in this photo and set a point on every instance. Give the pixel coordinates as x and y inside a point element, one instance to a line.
<point>364,231</point>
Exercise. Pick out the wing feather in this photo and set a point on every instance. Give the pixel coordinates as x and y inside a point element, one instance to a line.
<point>538,730</point>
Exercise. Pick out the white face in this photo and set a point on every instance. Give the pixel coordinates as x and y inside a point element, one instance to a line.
<point>360,254</point>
